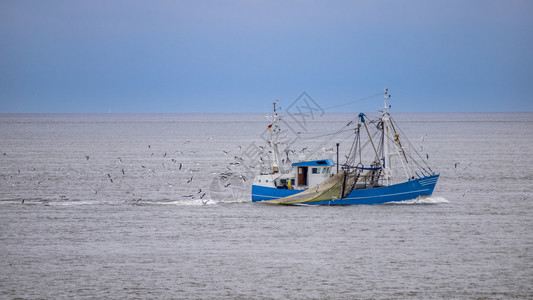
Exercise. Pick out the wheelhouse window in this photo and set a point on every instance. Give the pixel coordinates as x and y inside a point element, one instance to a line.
<point>315,171</point>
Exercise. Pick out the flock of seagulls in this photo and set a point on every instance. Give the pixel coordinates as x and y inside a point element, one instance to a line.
<point>122,169</point>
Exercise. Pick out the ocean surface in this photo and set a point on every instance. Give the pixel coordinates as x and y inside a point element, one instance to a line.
<point>158,206</point>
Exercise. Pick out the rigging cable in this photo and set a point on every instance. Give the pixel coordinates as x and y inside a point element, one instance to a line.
<point>414,150</point>
<point>354,101</point>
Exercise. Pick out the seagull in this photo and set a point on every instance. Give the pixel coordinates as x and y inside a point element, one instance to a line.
<point>289,161</point>
<point>189,181</point>
<point>456,164</point>
<point>180,166</point>
<point>123,173</point>
<point>423,137</point>
<point>87,157</point>
<point>225,152</point>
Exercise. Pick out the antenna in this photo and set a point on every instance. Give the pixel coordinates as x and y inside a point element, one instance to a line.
<point>385,97</point>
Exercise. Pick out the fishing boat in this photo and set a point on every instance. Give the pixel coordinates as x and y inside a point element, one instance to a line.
<point>382,167</point>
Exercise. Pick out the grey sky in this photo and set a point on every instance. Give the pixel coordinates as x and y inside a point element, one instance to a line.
<point>237,56</point>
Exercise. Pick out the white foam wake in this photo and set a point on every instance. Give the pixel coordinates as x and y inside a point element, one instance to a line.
<point>192,202</point>
<point>423,200</point>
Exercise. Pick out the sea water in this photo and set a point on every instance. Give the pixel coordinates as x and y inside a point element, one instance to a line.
<point>158,206</point>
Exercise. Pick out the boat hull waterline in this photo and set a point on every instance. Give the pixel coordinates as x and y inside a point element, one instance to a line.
<point>393,193</point>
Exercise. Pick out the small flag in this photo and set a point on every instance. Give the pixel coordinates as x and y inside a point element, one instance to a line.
<point>269,126</point>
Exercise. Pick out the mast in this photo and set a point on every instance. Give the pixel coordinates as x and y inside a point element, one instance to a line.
<point>273,134</point>
<point>387,171</point>
<point>391,144</point>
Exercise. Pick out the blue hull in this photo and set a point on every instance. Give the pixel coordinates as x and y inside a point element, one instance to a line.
<point>393,193</point>
<point>261,193</point>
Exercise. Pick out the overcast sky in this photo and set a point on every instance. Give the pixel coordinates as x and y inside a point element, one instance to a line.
<point>237,56</point>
